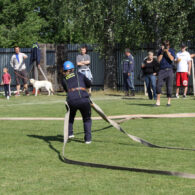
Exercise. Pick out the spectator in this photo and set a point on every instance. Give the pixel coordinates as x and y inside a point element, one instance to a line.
<point>184,64</point>
<point>150,68</point>
<point>18,64</point>
<point>6,80</point>
<point>128,73</point>
<point>83,63</point>
<point>166,56</point>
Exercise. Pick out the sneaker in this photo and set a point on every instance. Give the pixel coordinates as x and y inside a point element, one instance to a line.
<point>27,93</point>
<point>7,97</point>
<point>133,93</point>
<point>184,96</point>
<point>88,142</point>
<point>71,136</point>
<point>17,94</point>
<point>168,105</point>
<point>177,96</point>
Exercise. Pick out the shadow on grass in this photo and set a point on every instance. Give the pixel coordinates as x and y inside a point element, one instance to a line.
<point>132,98</point>
<point>146,105</point>
<point>48,140</point>
<point>103,129</point>
<point>63,159</point>
<point>61,94</point>
<point>59,138</point>
<point>117,95</point>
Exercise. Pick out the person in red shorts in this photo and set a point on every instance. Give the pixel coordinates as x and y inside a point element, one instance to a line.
<point>6,80</point>
<point>184,64</point>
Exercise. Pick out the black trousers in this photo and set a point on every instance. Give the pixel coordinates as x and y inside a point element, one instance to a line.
<point>165,76</point>
<point>83,105</point>
<point>6,89</point>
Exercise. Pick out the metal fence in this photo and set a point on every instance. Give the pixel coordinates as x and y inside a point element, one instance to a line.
<point>5,56</point>
<point>97,64</point>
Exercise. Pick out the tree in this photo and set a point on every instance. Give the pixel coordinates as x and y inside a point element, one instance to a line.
<point>167,19</point>
<point>102,22</point>
<point>20,25</point>
<point>106,23</point>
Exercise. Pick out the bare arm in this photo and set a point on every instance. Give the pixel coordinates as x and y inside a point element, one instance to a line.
<point>192,55</point>
<point>86,62</point>
<point>169,54</point>
<point>12,62</point>
<point>25,56</point>
<point>143,65</point>
<point>80,64</point>
<point>189,67</point>
<point>160,58</point>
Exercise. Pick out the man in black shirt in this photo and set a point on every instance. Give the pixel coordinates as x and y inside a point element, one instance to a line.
<point>76,85</point>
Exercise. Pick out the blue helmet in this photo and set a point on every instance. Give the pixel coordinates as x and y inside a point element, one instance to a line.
<point>68,65</point>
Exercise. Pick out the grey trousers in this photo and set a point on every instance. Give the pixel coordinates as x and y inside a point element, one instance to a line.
<point>165,76</point>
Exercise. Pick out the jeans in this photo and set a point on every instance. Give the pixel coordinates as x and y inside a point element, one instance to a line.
<point>150,80</point>
<point>128,81</point>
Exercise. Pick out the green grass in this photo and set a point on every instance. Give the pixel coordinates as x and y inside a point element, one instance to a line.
<point>29,150</point>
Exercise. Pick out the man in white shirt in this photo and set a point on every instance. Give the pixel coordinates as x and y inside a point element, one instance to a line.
<point>18,64</point>
<point>184,64</point>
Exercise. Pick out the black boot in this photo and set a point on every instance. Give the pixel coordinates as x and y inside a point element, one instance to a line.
<point>126,93</point>
<point>132,93</point>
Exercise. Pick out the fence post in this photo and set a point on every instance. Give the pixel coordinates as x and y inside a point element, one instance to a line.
<point>43,60</point>
<point>61,56</point>
<point>193,75</point>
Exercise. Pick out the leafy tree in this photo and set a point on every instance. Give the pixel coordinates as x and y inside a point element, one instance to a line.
<point>109,23</point>
<point>167,19</point>
<point>102,22</point>
<point>20,25</point>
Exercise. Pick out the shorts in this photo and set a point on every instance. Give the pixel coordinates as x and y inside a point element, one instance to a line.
<point>182,79</point>
<point>21,75</point>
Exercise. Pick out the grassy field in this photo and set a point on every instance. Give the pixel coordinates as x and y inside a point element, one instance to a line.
<point>30,151</point>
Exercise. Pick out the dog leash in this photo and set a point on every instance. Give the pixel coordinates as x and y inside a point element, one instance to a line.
<point>134,138</point>
<point>41,70</point>
<point>27,73</point>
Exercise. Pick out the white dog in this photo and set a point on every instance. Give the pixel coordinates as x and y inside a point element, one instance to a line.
<point>39,84</point>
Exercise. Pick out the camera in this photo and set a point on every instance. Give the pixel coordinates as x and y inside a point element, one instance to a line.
<point>165,46</point>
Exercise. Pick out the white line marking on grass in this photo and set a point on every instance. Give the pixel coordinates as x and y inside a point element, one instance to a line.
<point>138,116</point>
<point>42,102</point>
